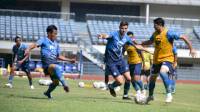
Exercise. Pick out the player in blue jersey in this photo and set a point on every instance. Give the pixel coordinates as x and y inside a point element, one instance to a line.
<point>114,60</point>
<point>19,61</point>
<point>50,53</point>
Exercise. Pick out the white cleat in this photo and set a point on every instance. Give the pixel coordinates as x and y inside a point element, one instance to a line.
<point>9,85</point>
<point>169,98</point>
<point>32,87</point>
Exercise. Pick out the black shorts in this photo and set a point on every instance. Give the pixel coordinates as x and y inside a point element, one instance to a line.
<point>146,72</point>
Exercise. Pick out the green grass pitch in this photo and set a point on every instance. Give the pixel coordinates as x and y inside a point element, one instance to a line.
<point>22,99</point>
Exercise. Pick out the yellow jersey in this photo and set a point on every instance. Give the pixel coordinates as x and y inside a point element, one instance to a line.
<point>147,59</point>
<point>133,55</point>
<point>163,48</point>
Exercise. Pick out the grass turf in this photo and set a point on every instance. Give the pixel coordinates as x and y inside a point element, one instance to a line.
<point>22,99</point>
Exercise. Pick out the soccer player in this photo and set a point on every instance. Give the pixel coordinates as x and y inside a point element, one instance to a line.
<point>163,58</point>
<point>114,56</point>
<point>145,73</point>
<point>19,61</point>
<point>174,74</point>
<point>135,65</point>
<point>50,53</point>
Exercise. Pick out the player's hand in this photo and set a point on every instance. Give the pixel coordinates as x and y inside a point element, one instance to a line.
<point>72,60</point>
<point>100,36</point>
<point>20,62</point>
<point>27,52</point>
<point>193,53</point>
<point>174,65</point>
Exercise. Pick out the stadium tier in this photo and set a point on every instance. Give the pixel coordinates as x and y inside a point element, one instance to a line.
<point>197,31</point>
<point>32,28</point>
<point>141,31</point>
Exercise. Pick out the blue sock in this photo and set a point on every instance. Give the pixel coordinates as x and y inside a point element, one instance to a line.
<point>52,86</point>
<point>126,88</point>
<point>114,85</point>
<point>10,79</point>
<point>166,81</point>
<point>151,87</point>
<point>135,85</point>
<point>140,84</point>
<point>173,84</point>
<point>58,73</point>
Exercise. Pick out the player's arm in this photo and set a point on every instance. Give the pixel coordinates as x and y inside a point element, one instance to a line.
<point>34,45</point>
<point>175,57</point>
<point>25,58</point>
<point>142,56</point>
<point>192,51</point>
<point>103,36</point>
<point>147,42</point>
<point>140,47</point>
<point>62,58</point>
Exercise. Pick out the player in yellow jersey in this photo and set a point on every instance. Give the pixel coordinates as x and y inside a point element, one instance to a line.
<point>135,65</point>
<point>145,73</point>
<point>163,57</point>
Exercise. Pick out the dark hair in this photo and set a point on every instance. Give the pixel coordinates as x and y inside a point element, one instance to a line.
<point>123,23</point>
<point>17,37</point>
<point>130,33</point>
<point>159,21</point>
<point>50,28</point>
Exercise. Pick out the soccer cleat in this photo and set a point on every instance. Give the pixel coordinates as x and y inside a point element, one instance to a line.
<point>9,85</point>
<point>149,98</point>
<point>66,88</point>
<point>48,95</point>
<point>168,98</point>
<point>112,91</point>
<point>126,98</point>
<point>32,87</point>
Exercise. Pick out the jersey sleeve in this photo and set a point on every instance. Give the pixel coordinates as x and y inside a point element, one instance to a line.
<point>40,42</point>
<point>151,38</point>
<point>172,35</point>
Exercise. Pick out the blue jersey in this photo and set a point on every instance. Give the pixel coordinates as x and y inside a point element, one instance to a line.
<point>18,52</point>
<point>50,51</point>
<point>115,45</point>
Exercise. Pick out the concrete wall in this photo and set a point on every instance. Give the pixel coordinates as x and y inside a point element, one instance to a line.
<point>172,11</point>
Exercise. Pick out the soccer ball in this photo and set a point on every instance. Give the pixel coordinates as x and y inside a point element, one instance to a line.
<point>140,99</point>
<point>81,84</point>
<point>96,85</point>
<point>102,84</point>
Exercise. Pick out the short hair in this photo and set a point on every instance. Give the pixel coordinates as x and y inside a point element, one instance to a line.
<point>17,37</point>
<point>159,21</point>
<point>123,23</point>
<point>50,28</point>
<point>130,33</point>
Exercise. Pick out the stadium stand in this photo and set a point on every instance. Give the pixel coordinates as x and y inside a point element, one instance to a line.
<point>141,31</point>
<point>197,31</point>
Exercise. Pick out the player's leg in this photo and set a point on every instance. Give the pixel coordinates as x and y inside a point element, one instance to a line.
<point>52,86</point>
<point>11,76</point>
<point>137,78</point>
<point>58,74</point>
<point>165,69</point>
<point>106,78</point>
<point>152,81</point>
<point>174,77</point>
<point>26,69</point>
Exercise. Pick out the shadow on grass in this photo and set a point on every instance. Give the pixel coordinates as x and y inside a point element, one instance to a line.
<point>26,97</point>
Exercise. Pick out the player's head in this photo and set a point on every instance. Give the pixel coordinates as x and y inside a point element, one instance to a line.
<point>123,27</point>
<point>52,32</point>
<point>18,40</point>
<point>131,35</point>
<point>158,23</point>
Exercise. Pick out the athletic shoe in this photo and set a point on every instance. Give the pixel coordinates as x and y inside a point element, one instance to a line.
<point>169,98</point>
<point>9,85</point>
<point>149,98</point>
<point>48,95</point>
<point>32,87</point>
<point>126,98</point>
<point>112,91</point>
<point>66,88</point>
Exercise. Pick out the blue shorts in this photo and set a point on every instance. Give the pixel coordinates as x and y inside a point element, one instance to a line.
<point>107,71</point>
<point>54,75</point>
<point>156,67</point>
<point>118,68</point>
<point>24,67</point>
<point>135,69</point>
